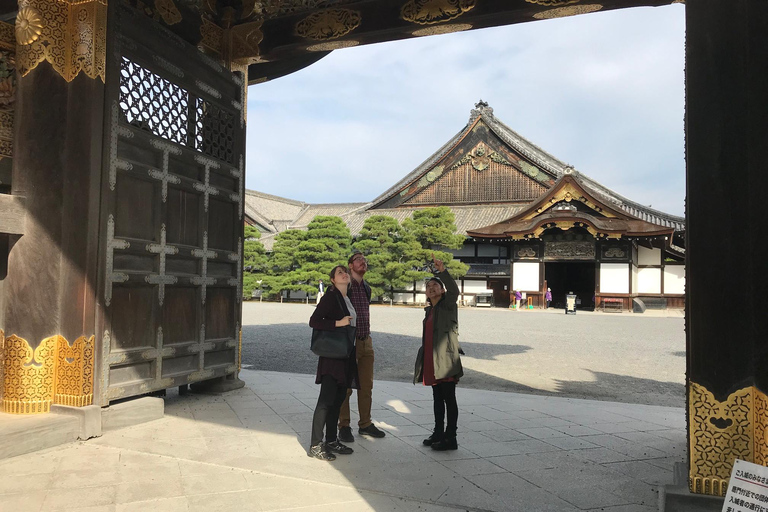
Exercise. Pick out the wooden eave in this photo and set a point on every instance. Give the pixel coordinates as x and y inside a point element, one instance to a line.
<point>608,222</point>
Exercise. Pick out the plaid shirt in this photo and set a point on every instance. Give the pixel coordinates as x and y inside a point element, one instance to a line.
<point>359,299</point>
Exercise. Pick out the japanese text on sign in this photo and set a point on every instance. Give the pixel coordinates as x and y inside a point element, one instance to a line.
<point>747,489</point>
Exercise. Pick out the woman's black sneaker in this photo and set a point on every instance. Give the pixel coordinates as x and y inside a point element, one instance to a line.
<point>434,438</point>
<point>339,448</point>
<point>319,451</point>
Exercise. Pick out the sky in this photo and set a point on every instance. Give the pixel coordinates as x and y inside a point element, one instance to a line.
<point>603,92</point>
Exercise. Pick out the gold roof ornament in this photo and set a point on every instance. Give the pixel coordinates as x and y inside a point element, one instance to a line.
<point>328,24</point>
<point>428,12</point>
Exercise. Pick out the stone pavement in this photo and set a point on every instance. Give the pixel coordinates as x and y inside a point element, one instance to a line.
<point>246,450</point>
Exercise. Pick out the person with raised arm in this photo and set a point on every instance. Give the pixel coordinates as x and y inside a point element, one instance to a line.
<point>438,363</point>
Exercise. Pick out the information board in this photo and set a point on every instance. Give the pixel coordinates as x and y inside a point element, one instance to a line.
<point>747,489</point>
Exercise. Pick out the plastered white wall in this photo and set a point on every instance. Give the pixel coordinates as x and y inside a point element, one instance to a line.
<point>674,279</point>
<point>525,276</point>
<point>614,278</point>
<point>647,256</point>
<point>649,280</point>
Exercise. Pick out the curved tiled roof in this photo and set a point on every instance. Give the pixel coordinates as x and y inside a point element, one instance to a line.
<point>285,213</point>
<point>541,158</point>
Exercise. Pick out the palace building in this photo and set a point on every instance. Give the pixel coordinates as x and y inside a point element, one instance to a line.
<point>532,222</point>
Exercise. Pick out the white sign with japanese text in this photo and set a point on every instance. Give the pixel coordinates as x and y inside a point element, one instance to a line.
<point>747,489</point>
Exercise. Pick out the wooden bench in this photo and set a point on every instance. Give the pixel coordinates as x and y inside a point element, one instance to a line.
<point>613,305</point>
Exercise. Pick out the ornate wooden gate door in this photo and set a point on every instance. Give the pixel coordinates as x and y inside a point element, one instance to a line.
<point>172,212</point>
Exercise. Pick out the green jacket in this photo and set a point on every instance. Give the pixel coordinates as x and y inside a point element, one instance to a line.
<point>445,335</point>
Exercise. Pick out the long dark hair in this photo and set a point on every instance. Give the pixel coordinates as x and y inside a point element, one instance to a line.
<point>332,275</point>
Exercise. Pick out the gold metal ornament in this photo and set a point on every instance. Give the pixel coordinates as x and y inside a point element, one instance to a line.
<point>69,34</point>
<point>29,376</point>
<point>244,42</point>
<point>7,36</point>
<point>562,12</point>
<point>168,11</point>
<point>328,24</point>
<point>721,432</point>
<point>331,45</point>
<point>74,371</point>
<point>428,12</point>
<point>569,193</point>
<point>441,29</point>
<point>212,36</point>
<point>54,372</point>
<point>29,26</point>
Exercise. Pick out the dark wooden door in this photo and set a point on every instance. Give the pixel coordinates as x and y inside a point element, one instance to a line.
<point>171,213</point>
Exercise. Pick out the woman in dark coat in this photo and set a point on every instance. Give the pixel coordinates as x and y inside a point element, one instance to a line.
<point>438,363</point>
<point>335,376</point>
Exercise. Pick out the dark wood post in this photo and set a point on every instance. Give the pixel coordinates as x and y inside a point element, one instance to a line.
<point>52,269</point>
<point>726,136</point>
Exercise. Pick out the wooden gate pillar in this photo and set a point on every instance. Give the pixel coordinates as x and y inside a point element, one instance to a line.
<point>50,295</point>
<point>727,224</point>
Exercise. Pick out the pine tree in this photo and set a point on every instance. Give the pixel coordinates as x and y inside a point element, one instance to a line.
<point>254,261</point>
<point>389,250</point>
<point>322,246</point>
<point>282,261</point>
<point>435,230</point>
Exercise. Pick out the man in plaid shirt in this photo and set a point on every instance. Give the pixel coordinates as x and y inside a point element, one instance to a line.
<point>360,295</point>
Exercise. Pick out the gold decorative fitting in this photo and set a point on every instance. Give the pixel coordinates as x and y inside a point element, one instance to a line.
<point>168,11</point>
<point>441,29</point>
<point>54,372</point>
<point>29,376</point>
<point>29,26</point>
<point>428,12</point>
<point>69,34</point>
<point>331,45</point>
<point>721,432</point>
<point>74,372</point>
<point>212,36</point>
<point>7,36</point>
<point>328,24</point>
<point>562,12</point>
<point>244,42</point>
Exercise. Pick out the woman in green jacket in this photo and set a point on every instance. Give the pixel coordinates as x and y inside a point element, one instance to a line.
<point>441,368</point>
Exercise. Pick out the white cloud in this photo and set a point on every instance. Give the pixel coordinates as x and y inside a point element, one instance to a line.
<point>603,92</point>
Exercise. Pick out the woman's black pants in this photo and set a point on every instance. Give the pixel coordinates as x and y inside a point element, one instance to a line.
<point>444,397</point>
<point>329,402</point>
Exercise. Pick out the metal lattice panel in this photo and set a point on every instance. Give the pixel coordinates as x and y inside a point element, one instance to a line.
<point>214,131</point>
<point>153,103</point>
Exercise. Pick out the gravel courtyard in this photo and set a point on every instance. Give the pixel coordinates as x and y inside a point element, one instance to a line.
<point>602,356</point>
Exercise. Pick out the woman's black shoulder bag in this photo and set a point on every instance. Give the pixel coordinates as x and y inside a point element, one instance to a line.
<point>335,344</point>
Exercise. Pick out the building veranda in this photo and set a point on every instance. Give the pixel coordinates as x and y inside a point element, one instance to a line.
<point>531,221</point>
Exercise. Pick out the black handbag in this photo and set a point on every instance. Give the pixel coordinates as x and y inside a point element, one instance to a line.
<point>335,344</point>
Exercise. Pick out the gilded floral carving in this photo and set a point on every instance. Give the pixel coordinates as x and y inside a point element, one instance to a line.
<point>428,12</point>
<point>328,24</point>
<point>29,26</point>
